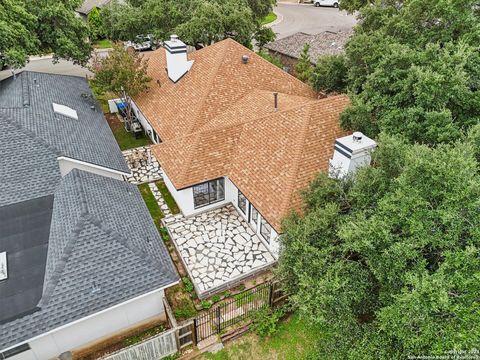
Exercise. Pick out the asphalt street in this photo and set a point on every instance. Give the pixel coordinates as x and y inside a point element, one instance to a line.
<point>310,19</point>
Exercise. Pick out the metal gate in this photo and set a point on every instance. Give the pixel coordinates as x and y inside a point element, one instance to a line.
<point>237,309</point>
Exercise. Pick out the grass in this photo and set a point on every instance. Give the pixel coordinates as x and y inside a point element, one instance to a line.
<point>135,339</point>
<point>271,17</point>
<point>102,44</point>
<point>127,140</point>
<point>152,205</point>
<point>294,340</point>
<point>169,200</point>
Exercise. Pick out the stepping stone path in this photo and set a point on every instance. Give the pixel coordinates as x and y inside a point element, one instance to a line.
<point>217,247</point>
<point>148,171</point>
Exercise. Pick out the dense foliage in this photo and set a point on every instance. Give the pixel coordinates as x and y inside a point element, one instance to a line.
<point>31,27</point>
<point>122,73</point>
<point>197,22</point>
<point>412,67</point>
<point>303,68</point>
<point>95,25</point>
<point>389,262</point>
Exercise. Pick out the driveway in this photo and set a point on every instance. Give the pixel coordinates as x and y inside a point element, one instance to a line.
<point>310,19</point>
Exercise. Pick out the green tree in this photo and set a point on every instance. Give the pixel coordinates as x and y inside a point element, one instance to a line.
<point>303,67</point>
<point>413,68</point>
<point>31,27</point>
<point>329,74</point>
<point>275,60</point>
<point>264,35</point>
<point>95,24</point>
<point>388,261</point>
<point>198,22</point>
<point>122,73</point>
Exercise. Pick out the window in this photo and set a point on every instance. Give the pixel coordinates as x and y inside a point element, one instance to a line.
<point>3,266</point>
<point>209,193</point>
<point>14,351</point>
<point>265,229</point>
<point>242,202</point>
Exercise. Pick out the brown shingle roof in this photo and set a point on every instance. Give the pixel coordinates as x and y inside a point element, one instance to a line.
<point>325,43</point>
<point>219,120</point>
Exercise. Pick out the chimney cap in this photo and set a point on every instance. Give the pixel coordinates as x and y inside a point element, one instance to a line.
<point>173,37</point>
<point>245,58</point>
<point>357,136</point>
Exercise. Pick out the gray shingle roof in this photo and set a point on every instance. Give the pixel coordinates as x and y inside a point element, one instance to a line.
<point>28,100</point>
<point>325,43</point>
<point>28,166</point>
<point>103,250</point>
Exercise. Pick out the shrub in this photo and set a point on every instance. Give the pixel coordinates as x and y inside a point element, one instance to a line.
<point>188,284</point>
<point>330,74</point>
<point>206,304</point>
<point>215,298</point>
<point>185,309</point>
<point>265,320</point>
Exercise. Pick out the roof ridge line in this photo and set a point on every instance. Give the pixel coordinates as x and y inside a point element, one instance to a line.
<point>28,132</point>
<point>301,139</point>
<point>49,287</point>
<point>210,82</point>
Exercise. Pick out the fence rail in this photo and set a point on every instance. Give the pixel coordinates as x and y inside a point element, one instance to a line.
<point>237,309</point>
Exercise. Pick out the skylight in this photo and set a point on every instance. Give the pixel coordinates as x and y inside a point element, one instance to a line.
<point>65,111</point>
<point>3,266</point>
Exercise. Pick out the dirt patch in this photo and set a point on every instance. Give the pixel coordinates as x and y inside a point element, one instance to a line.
<point>113,121</point>
<point>121,340</point>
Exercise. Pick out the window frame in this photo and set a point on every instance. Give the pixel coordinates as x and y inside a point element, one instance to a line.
<point>264,222</point>
<point>240,194</point>
<point>208,193</point>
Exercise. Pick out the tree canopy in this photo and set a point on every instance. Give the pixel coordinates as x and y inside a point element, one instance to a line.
<point>412,68</point>
<point>389,261</point>
<point>197,22</point>
<point>31,27</point>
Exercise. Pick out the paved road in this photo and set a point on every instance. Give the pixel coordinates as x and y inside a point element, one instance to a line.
<point>45,64</point>
<point>310,19</point>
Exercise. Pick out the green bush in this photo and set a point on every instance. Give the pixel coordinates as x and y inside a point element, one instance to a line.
<point>188,284</point>
<point>185,310</point>
<point>215,298</point>
<point>206,304</point>
<point>265,320</point>
<point>330,74</point>
<point>275,60</point>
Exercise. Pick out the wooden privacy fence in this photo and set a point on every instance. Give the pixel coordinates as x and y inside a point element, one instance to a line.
<point>237,309</point>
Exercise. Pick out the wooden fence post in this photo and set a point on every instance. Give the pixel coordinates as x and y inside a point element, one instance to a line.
<point>194,332</point>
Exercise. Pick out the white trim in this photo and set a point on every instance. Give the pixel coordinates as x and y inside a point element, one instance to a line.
<point>93,165</point>
<point>90,316</point>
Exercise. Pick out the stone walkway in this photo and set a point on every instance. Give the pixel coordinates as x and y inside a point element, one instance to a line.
<point>147,171</point>
<point>218,247</point>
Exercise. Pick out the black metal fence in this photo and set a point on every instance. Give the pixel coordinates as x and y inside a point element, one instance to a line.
<point>237,309</point>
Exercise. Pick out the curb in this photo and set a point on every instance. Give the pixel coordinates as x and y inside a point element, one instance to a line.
<point>277,21</point>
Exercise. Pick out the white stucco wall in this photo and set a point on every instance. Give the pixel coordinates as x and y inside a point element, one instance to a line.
<point>102,324</point>
<point>66,165</point>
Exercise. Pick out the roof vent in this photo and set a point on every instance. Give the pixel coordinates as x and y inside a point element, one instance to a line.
<point>275,101</point>
<point>245,59</point>
<point>65,111</point>
<point>3,266</point>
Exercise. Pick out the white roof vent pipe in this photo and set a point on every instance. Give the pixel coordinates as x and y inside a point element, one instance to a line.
<point>350,153</point>
<point>177,63</point>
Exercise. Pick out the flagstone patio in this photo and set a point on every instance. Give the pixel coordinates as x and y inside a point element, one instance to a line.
<point>218,249</point>
<point>143,164</point>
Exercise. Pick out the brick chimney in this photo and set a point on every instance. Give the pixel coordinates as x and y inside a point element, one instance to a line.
<point>177,63</point>
<point>350,153</point>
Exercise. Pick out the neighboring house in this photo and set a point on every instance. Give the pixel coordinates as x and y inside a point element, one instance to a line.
<point>88,5</point>
<point>233,128</point>
<point>290,48</point>
<point>80,256</point>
